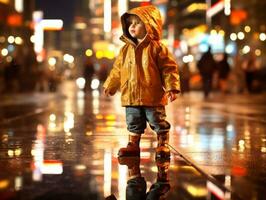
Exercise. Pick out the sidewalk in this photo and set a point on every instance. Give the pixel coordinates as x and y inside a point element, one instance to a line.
<point>222,138</point>
<point>225,138</point>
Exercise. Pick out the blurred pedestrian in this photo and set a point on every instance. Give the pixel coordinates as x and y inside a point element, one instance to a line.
<point>249,66</point>
<point>147,75</point>
<point>88,73</point>
<point>239,74</point>
<point>2,69</point>
<point>11,76</point>
<point>42,84</point>
<point>206,66</point>
<point>223,69</point>
<point>29,69</point>
<point>53,79</point>
<point>185,78</point>
<point>103,72</point>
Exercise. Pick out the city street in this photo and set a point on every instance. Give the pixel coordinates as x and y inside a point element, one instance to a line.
<point>64,145</point>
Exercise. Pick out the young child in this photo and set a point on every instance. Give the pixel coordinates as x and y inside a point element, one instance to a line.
<point>147,75</point>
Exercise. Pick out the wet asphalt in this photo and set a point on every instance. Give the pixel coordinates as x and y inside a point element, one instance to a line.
<point>64,145</point>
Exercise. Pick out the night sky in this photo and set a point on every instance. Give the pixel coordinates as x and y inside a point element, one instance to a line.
<point>57,9</point>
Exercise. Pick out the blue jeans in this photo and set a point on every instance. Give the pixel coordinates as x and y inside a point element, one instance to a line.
<point>138,116</point>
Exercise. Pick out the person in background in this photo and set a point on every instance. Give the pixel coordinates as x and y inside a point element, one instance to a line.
<point>29,69</point>
<point>239,74</point>
<point>206,67</point>
<point>223,69</point>
<point>250,71</point>
<point>88,73</point>
<point>11,76</point>
<point>185,78</point>
<point>103,73</point>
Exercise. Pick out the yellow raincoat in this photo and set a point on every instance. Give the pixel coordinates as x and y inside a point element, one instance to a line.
<point>144,72</point>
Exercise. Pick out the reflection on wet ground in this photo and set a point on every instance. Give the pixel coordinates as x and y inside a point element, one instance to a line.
<point>68,150</point>
<point>40,161</point>
<point>226,141</point>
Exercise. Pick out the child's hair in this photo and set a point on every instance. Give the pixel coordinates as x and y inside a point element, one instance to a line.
<point>130,17</point>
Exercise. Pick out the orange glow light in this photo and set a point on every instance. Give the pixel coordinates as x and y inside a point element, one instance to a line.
<point>239,171</point>
<point>4,1</point>
<point>14,20</point>
<point>238,16</point>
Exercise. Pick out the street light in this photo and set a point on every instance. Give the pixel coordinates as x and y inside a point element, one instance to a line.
<point>240,35</point>
<point>262,36</point>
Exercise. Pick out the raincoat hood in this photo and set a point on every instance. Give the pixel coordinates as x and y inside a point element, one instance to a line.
<point>150,16</point>
<point>144,72</point>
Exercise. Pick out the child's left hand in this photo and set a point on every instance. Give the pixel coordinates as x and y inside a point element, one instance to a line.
<point>171,95</point>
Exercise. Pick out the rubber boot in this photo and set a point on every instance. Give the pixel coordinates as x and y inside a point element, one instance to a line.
<point>132,148</point>
<point>162,150</point>
<point>159,189</point>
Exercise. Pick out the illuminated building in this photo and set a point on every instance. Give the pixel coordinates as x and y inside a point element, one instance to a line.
<point>191,13</point>
<point>16,16</point>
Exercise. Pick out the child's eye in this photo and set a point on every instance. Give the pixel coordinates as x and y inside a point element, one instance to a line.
<point>135,22</point>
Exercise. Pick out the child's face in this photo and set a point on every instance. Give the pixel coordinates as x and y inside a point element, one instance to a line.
<point>136,27</point>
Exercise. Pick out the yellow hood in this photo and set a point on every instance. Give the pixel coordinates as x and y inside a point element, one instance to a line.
<point>150,16</point>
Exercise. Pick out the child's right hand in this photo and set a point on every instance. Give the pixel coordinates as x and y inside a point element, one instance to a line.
<point>108,92</point>
<point>172,95</point>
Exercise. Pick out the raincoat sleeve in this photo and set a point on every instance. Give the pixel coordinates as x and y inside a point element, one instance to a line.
<point>169,70</point>
<point>112,82</point>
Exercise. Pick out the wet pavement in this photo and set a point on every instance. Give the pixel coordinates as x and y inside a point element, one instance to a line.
<point>64,146</point>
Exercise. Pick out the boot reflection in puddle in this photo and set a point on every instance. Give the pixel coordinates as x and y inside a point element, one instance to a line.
<point>159,189</point>
<point>136,184</point>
